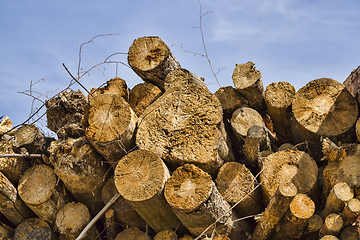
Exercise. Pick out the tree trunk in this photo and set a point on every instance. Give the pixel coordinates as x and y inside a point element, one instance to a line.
<point>181,77</point>
<point>37,188</point>
<point>182,127</point>
<point>142,95</point>
<point>274,211</point>
<point>166,235</point>
<point>140,177</point>
<point>132,233</point>
<point>116,86</point>
<point>332,225</point>
<point>278,99</point>
<point>351,211</point>
<point>110,125</point>
<point>152,60</point>
<point>79,166</point>
<point>236,184</point>
<point>34,228</point>
<point>352,82</point>
<point>248,81</point>
<point>230,100</point>
<point>295,219</point>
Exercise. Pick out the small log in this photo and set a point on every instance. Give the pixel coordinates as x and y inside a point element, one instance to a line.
<point>116,86</point>
<point>331,151</point>
<point>248,81</point>
<point>230,100</point>
<point>142,95</point>
<point>5,125</point>
<point>166,235</point>
<point>332,225</point>
<point>110,224</point>
<point>79,166</point>
<point>349,233</point>
<point>312,228</point>
<point>36,229</point>
<point>286,146</point>
<point>337,198</point>
<point>278,99</point>
<point>132,233</point>
<point>140,178</point>
<point>182,126</point>
<point>198,204</point>
<point>124,213</point>
<point>351,211</point>
<point>352,82</point>
<point>236,185</point>
<point>152,60</point>
<point>180,77</point>
<point>275,210</point>
<point>6,232</point>
<point>329,237</point>
<point>295,219</point>
<point>65,113</point>
<point>37,188</point>
<point>110,124</point>
<point>71,219</point>
<point>289,166</point>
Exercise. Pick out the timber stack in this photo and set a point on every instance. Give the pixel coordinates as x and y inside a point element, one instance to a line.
<point>176,161</point>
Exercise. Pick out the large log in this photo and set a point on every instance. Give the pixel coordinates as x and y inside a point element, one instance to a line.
<point>142,95</point>
<point>152,60</point>
<point>79,166</point>
<point>35,229</point>
<point>110,124</point>
<point>181,77</point>
<point>182,126</point>
<point>140,178</point>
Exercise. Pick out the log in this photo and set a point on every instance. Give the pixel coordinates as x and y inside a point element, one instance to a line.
<point>7,189</point>
<point>275,210</point>
<point>34,228</point>
<point>337,198</point>
<point>180,77</point>
<point>71,219</point>
<point>236,185</point>
<point>278,99</point>
<point>198,204</point>
<point>37,188</point>
<point>352,81</point>
<point>182,126</point>
<point>5,125</point>
<point>142,95</point>
<point>312,228</point>
<point>357,129</point>
<point>124,213</point>
<point>110,224</point>
<point>6,232</point>
<point>349,233</point>
<point>115,85</point>
<point>351,211</point>
<point>230,100</point>
<point>329,237</point>
<point>151,59</point>
<point>289,166</point>
<point>286,146</point>
<point>186,237</point>
<point>79,166</point>
<point>294,221</point>
<point>332,225</point>
<point>109,126</point>
<point>248,81</point>
<point>166,235</point>
<point>140,178</point>
<point>324,107</point>
<point>65,113</point>
<point>331,151</point>
<point>132,233</point>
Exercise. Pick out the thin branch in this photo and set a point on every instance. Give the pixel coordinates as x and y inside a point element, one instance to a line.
<point>20,155</point>
<point>76,80</point>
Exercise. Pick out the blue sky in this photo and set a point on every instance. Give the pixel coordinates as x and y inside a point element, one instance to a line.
<point>295,41</point>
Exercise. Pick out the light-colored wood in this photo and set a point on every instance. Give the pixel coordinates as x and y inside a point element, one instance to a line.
<point>230,99</point>
<point>236,184</point>
<point>140,178</point>
<point>332,225</point>
<point>274,211</point>
<point>248,81</point>
<point>166,235</point>
<point>329,237</point>
<point>142,95</point>
<point>79,166</point>
<point>152,60</point>
<point>278,99</point>
<point>35,229</point>
<point>132,233</point>
<point>116,86</point>
<point>351,211</point>
<point>110,125</point>
<point>5,125</point>
<point>331,151</point>
<point>180,77</point>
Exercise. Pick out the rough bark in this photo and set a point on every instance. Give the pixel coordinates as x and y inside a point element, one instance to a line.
<point>166,235</point>
<point>116,86</point>
<point>110,124</point>
<point>35,229</point>
<point>142,95</point>
<point>278,99</point>
<point>140,178</point>
<point>351,211</point>
<point>132,233</point>
<point>349,233</point>
<point>236,184</point>
<point>37,188</point>
<point>181,77</point>
<point>152,60</point>
<point>182,127</point>
<point>110,224</point>
<point>332,225</point>
<point>275,210</point>
<point>352,82</point>
<point>248,81</point>
<point>312,228</point>
<point>230,100</point>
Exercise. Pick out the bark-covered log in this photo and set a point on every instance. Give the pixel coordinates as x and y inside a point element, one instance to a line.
<point>275,210</point>
<point>79,166</point>
<point>116,86</point>
<point>6,232</point>
<point>132,233</point>
<point>65,113</point>
<point>152,60</point>
<point>166,235</point>
<point>236,184</point>
<point>351,211</point>
<point>248,81</point>
<point>182,126</point>
<point>349,233</point>
<point>230,99</point>
<point>332,225</point>
<point>35,229</point>
<point>198,204</point>
<point>110,124</point>
<point>289,166</point>
<point>140,178</point>
<point>278,99</point>
<point>352,82</point>
<point>142,95</point>
<point>110,224</point>
<point>331,151</point>
<point>181,77</point>
<point>38,189</point>
<point>312,228</point>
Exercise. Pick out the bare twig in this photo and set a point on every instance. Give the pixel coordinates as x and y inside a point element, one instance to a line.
<point>20,155</point>
<point>76,80</point>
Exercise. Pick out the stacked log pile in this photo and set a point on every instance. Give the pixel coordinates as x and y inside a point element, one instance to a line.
<point>175,161</point>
